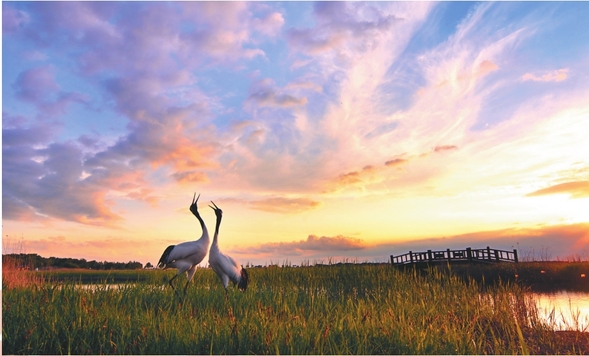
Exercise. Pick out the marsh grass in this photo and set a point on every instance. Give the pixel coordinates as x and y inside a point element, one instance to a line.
<point>16,272</point>
<point>347,309</point>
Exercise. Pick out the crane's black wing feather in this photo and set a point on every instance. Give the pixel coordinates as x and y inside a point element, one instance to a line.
<point>164,259</point>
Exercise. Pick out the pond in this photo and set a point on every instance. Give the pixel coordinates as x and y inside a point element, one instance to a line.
<point>564,309</point>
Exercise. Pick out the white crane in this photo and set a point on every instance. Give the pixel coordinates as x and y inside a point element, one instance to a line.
<point>225,266</point>
<point>187,255</point>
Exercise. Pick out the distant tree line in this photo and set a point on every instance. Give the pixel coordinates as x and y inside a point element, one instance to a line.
<point>32,261</point>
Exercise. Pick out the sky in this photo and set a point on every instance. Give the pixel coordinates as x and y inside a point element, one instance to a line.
<point>326,131</point>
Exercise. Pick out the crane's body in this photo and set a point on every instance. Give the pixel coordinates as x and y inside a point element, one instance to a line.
<point>187,255</point>
<point>224,265</point>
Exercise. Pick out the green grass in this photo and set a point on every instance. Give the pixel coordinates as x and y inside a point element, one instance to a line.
<point>348,309</point>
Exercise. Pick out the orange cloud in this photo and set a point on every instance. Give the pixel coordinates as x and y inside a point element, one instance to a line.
<point>144,195</point>
<point>555,76</point>
<point>579,189</point>
<point>190,177</point>
<point>366,175</point>
<point>395,162</point>
<point>445,148</point>
<point>285,205</point>
<point>184,155</point>
<point>313,243</point>
<point>484,68</point>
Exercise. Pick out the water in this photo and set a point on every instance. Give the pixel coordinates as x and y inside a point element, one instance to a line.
<point>564,310</point>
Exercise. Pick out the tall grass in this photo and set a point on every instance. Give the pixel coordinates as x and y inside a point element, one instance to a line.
<point>349,309</point>
<point>15,272</point>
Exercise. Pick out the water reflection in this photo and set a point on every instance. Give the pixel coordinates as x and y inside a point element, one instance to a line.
<point>565,310</point>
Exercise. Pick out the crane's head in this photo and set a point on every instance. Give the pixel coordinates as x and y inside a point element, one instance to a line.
<point>193,207</point>
<point>218,212</point>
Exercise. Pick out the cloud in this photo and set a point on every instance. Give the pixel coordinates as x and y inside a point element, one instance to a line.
<point>445,148</point>
<point>360,178</point>
<point>264,93</point>
<point>578,189</point>
<point>341,25</point>
<point>285,205</point>
<point>268,24</point>
<point>312,244</point>
<point>190,177</point>
<point>46,182</point>
<point>395,162</point>
<point>469,75</point>
<point>370,175</point>
<point>555,76</point>
<point>531,243</point>
<point>108,248</point>
<point>36,84</point>
<point>12,19</point>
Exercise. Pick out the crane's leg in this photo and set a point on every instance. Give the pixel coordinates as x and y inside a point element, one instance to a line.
<point>170,282</point>
<point>225,281</point>
<point>189,275</point>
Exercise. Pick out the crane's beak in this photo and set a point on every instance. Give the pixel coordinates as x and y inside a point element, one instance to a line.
<point>216,207</point>
<point>195,201</point>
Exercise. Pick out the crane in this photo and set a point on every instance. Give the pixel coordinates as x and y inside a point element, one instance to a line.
<point>225,266</point>
<point>185,256</point>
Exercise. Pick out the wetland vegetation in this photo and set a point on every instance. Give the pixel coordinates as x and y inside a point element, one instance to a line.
<point>331,309</point>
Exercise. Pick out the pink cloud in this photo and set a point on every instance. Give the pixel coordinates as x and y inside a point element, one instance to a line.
<point>445,148</point>
<point>13,19</point>
<point>190,177</point>
<point>312,244</point>
<point>578,189</point>
<point>269,24</point>
<point>395,162</point>
<point>340,26</point>
<point>36,84</point>
<point>264,93</point>
<point>555,76</point>
<point>285,205</point>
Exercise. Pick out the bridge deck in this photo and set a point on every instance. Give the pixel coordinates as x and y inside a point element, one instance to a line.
<point>485,255</point>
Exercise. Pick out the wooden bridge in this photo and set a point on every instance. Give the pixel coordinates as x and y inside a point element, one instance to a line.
<point>468,255</point>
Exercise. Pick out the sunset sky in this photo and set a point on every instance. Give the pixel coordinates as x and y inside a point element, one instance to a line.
<point>323,130</point>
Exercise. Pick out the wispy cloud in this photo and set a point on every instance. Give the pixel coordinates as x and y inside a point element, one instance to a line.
<point>554,76</point>
<point>285,205</point>
<point>312,244</point>
<point>264,93</point>
<point>278,204</point>
<point>445,148</point>
<point>579,189</point>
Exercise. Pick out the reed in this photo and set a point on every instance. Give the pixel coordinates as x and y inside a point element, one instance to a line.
<point>339,309</point>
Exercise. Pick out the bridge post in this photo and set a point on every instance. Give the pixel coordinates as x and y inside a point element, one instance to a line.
<point>448,251</point>
<point>515,255</point>
<point>488,253</point>
<point>468,254</point>
<point>496,255</point>
<point>411,256</point>
<point>429,255</point>
<point>392,260</point>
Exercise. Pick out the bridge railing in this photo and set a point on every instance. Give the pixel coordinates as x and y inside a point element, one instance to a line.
<point>487,255</point>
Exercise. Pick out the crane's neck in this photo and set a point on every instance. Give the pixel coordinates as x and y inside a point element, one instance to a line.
<point>205,232</point>
<point>217,225</point>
